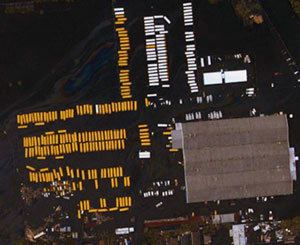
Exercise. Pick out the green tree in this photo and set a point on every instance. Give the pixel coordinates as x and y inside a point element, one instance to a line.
<point>296,6</point>
<point>244,13</point>
<point>153,236</point>
<point>209,229</point>
<point>248,11</point>
<point>292,224</point>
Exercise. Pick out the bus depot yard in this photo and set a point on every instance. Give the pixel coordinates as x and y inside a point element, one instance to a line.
<point>87,171</point>
<point>110,170</point>
<point>98,166</point>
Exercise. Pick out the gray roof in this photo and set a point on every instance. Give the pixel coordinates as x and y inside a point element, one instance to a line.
<point>236,158</point>
<point>177,139</point>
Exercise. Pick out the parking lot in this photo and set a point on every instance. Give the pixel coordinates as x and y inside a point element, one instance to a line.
<point>115,157</point>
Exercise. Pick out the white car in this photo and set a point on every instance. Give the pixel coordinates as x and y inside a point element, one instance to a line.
<point>256,228</point>
<point>198,115</point>
<point>189,116</point>
<point>199,100</point>
<point>167,193</point>
<point>157,183</point>
<point>170,192</point>
<point>209,98</point>
<point>151,193</point>
<point>161,183</point>
<point>159,204</point>
<point>167,182</point>
<point>215,115</point>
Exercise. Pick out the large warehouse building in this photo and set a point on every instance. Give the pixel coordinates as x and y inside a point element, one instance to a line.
<point>235,158</point>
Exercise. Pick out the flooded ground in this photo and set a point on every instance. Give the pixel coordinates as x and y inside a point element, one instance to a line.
<point>74,62</point>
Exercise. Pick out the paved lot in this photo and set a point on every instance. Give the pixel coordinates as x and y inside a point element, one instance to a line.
<point>103,87</point>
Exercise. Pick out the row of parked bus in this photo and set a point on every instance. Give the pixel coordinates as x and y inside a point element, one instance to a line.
<point>114,182</point>
<point>125,83</point>
<point>123,58</point>
<point>65,180</point>
<point>66,114</point>
<point>109,108</point>
<point>91,174</point>
<point>190,48</point>
<point>50,138</point>
<point>40,118</point>
<point>121,204</point>
<point>51,144</point>
<point>111,172</point>
<point>144,135</point>
<point>108,145</point>
<point>156,50</point>
<point>41,152</point>
<point>54,177</point>
<point>85,109</point>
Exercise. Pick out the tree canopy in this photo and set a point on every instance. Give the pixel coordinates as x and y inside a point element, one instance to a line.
<point>292,224</point>
<point>296,6</point>
<point>248,11</point>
